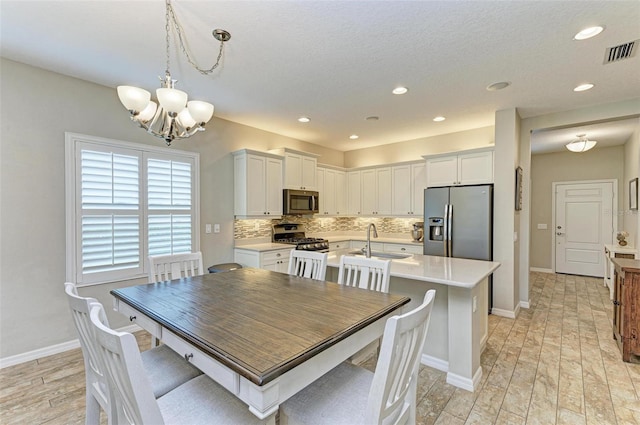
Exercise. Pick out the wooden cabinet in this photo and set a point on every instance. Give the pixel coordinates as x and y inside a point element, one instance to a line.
<point>462,168</point>
<point>376,191</point>
<point>299,170</point>
<point>277,260</point>
<point>257,184</point>
<point>626,308</point>
<point>331,185</point>
<point>614,251</point>
<point>408,182</point>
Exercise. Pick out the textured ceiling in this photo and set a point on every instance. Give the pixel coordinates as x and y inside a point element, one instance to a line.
<point>337,61</point>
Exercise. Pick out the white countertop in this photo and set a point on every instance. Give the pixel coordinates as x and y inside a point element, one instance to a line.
<point>620,249</point>
<point>381,239</point>
<point>268,246</point>
<point>447,271</point>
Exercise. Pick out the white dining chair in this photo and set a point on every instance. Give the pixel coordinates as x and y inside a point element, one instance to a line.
<point>165,368</point>
<point>198,401</point>
<point>309,264</point>
<point>175,266</point>
<point>352,395</point>
<point>365,273</point>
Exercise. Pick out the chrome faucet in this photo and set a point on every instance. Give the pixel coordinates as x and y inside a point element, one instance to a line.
<point>375,235</point>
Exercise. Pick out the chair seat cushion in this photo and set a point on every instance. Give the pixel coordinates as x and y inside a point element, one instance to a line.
<point>338,398</point>
<point>203,401</point>
<point>166,369</point>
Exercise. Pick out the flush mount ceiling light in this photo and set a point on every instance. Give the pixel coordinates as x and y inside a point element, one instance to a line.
<point>588,33</point>
<point>581,144</point>
<point>498,86</point>
<point>439,118</point>
<point>172,117</point>
<point>400,90</point>
<point>304,119</point>
<point>584,87</point>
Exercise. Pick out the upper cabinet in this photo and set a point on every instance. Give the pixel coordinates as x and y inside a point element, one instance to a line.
<point>299,169</point>
<point>461,168</point>
<point>258,184</point>
<point>408,183</point>
<point>375,192</point>
<point>333,194</point>
<point>354,179</point>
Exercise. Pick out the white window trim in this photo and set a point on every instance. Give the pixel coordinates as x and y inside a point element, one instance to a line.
<point>71,142</point>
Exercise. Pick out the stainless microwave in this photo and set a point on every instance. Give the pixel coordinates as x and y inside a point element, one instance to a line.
<point>300,201</point>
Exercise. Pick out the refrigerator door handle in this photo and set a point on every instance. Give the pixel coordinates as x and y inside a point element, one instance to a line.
<point>445,231</point>
<point>449,228</point>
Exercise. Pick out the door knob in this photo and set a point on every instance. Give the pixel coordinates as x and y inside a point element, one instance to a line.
<point>559,233</point>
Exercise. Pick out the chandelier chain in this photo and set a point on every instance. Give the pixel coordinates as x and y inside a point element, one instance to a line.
<point>170,15</point>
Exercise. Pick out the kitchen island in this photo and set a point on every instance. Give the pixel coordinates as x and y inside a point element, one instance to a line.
<point>459,325</point>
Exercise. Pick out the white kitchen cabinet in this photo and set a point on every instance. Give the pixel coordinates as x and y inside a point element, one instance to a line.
<point>299,170</point>
<point>332,191</point>
<point>354,179</point>
<point>408,184</point>
<point>257,184</point>
<point>334,246</point>
<point>376,191</point>
<point>403,248</point>
<point>277,260</point>
<point>462,168</point>
<point>375,246</point>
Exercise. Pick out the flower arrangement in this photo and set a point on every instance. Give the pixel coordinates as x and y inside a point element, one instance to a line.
<point>622,238</point>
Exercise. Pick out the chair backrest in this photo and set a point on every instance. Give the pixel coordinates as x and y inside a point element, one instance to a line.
<point>392,398</point>
<point>176,266</point>
<point>309,264</point>
<point>365,273</point>
<point>130,389</point>
<point>96,381</point>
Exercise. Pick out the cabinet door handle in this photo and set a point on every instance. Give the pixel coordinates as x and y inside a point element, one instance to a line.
<point>132,318</point>
<point>188,357</point>
<point>403,249</point>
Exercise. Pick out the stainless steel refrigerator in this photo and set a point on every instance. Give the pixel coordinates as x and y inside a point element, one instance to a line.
<point>458,222</point>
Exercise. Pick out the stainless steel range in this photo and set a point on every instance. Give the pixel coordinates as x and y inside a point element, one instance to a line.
<point>293,233</point>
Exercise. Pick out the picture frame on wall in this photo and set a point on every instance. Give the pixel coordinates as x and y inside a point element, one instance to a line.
<point>633,194</point>
<point>519,189</point>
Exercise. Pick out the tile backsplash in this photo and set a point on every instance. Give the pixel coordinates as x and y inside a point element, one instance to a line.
<point>259,228</point>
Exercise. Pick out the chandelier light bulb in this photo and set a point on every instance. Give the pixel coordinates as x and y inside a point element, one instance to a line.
<point>133,98</point>
<point>172,100</point>
<point>148,112</point>
<point>200,111</point>
<point>185,119</point>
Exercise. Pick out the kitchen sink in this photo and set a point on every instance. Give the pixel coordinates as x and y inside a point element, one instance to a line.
<point>381,255</point>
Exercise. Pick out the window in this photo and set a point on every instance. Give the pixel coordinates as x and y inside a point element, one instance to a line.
<point>126,202</point>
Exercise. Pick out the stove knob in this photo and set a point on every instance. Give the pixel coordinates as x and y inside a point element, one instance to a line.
<point>306,246</point>
<point>318,245</point>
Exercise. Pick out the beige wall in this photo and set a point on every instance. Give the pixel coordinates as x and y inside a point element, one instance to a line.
<point>412,150</point>
<point>631,219</point>
<point>596,164</point>
<point>38,107</point>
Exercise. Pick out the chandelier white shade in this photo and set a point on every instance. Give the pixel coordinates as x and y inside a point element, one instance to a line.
<point>581,144</point>
<point>173,116</point>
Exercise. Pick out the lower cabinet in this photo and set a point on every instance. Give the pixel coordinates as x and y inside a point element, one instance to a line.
<point>403,248</point>
<point>277,261</point>
<point>626,308</point>
<point>334,246</point>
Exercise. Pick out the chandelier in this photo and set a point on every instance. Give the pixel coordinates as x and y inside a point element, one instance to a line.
<point>173,117</point>
<point>581,144</point>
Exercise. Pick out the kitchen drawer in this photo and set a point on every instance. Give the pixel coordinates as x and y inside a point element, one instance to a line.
<point>220,373</point>
<point>333,246</point>
<point>403,248</point>
<point>139,318</point>
<point>271,256</point>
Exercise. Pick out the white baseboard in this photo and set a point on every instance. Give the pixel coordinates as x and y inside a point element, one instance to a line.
<point>539,269</point>
<point>435,362</point>
<point>483,342</point>
<point>506,313</point>
<point>51,350</point>
<point>525,304</point>
<point>465,383</point>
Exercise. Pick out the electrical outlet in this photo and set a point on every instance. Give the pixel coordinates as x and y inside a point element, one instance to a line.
<point>475,304</point>
<point>207,228</point>
<point>216,228</point>
<point>256,226</point>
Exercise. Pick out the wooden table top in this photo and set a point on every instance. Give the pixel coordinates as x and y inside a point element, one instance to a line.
<point>257,322</point>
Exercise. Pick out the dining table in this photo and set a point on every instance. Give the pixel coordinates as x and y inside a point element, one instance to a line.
<point>262,335</point>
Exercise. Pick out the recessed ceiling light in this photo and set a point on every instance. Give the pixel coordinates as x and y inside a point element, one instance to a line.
<point>372,118</point>
<point>353,137</point>
<point>588,33</point>
<point>400,90</point>
<point>583,87</point>
<point>439,118</point>
<point>304,119</point>
<point>498,86</point>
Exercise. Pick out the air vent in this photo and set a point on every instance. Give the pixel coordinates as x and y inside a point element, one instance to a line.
<point>620,52</point>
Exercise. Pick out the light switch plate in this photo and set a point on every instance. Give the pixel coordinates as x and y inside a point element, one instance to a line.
<point>542,226</point>
<point>216,228</point>
<point>207,228</point>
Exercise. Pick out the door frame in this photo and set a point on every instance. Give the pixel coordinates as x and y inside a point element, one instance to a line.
<point>614,215</point>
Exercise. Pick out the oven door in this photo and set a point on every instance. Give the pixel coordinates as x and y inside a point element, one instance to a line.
<point>300,201</point>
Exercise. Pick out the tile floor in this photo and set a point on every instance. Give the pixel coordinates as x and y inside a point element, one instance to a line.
<point>555,364</point>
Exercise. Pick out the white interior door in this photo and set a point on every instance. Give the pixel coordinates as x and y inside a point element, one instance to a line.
<point>583,224</point>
